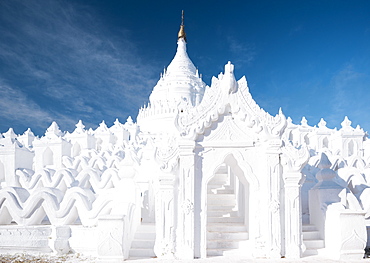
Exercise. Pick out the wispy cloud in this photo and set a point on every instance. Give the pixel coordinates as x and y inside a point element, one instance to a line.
<point>69,62</point>
<point>349,91</point>
<point>244,52</point>
<point>15,105</point>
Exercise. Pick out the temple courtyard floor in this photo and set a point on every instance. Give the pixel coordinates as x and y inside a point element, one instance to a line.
<point>27,258</point>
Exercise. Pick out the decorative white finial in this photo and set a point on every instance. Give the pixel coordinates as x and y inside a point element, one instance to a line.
<point>322,123</point>
<point>346,122</point>
<point>79,127</point>
<point>229,79</point>
<point>53,130</point>
<point>304,121</point>
<point>29,132</point>
<point>117,122</point>
<point>129,120</point>
<point>289,120</point>
<point>10,134</point>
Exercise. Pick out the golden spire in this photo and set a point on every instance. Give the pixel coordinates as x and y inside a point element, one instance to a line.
<point>182,33</point>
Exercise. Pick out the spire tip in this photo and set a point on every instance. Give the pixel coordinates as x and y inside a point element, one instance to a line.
<point>182,33</point>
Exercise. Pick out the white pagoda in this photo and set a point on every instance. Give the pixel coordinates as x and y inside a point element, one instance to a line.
<point>204,172</point>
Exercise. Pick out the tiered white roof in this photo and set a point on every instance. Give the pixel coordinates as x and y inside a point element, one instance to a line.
<point>179,87</point>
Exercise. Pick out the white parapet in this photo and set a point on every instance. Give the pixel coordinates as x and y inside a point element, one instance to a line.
<point>112,239</point>
<point>345,233</point>
<point>34,239</point>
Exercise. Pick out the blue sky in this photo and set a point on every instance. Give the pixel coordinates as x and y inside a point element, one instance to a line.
<point>99,60</point>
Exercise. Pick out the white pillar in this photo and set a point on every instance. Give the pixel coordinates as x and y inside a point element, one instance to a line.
<point>293,215</point>
<point>185,225</point>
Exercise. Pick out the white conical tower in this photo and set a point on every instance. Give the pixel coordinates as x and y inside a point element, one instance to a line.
<point>179,88</point>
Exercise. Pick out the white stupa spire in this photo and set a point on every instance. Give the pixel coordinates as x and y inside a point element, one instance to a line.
<point>180,80</point>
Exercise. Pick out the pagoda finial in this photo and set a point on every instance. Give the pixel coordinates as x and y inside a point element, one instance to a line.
<point>182,33</point>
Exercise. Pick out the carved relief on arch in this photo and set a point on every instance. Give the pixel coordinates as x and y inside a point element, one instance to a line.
<point>228,132</point>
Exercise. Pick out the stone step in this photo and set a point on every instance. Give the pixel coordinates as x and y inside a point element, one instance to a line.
<point>141,253</point>
<point>221,202</point>
<point>220,176</point>
<point>226,227</point>
<point>222,244</point>
<point>219,185</point>
<point>142,244</point>
<point>144,236</point>
<point>225,219</point>
<point>222,213</point>
<point>221,191</point>
<point>215,252</point>
<point>227,235</point>
<point>314,244</point>
<point>222,170</point>
<point>220,197</point>
<point>146,228</point>
<point>308,228</point>
<point>224,208</point>
<point>310,235</point>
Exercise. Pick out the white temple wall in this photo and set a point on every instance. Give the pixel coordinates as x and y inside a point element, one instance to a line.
<point>11,159</point>
<point>51,153</point>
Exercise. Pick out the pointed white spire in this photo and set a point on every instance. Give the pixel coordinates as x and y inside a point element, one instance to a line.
<point>289,121</point>
<point>80,128</point>
<point>129,120</point>
<point>53,130</point>
<point>346,122</point>
<point>102,128</point>
<point>117,122</point>
<point>10,134</point>
<point>322,123</point>
<point>29,132</point>
<point>304,121</point>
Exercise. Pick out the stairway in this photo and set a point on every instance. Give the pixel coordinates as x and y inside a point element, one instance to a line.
<point>225,228</point>
<point>312,240</point>
<point>143,244</point>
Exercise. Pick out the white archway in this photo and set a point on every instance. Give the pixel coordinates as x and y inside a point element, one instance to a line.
<point>47,157</point>
<point>242,183</point>
<point>76,149</point>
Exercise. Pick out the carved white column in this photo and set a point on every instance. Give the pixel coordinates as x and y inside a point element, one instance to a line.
<point>165,217</point>
<point>274,207</point>
<point>185,217</point>
<point>165,199</point>
<point>293,160</point>
<point>293,215</point>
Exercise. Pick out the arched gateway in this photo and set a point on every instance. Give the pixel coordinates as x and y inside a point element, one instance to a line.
<point>225,168</point>
<point>234,169</point>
